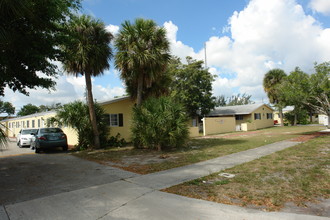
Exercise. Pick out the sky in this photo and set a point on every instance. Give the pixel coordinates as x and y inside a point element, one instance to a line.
<point>243,39</point>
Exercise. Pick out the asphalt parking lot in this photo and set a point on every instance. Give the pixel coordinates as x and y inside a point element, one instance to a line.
<point>26,175</point>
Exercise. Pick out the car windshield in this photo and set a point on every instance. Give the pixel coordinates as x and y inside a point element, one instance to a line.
<point>50,130</point>
<point>29,131</point>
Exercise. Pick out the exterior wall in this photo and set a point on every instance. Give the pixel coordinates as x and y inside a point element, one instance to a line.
<point>39,120</point>
<point>263,122</point>
<point>248,126</point>
<point>125,107</point>
<point>121,107</point>
<point>216,125</point>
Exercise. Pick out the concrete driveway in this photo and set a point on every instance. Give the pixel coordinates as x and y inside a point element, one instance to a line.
<point>25,175</point>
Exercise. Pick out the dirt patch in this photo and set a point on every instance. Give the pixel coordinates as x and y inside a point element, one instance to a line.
<point>237,134</point>
<point>308,137</point>
<point>140,164</point>
<point>320,208</point>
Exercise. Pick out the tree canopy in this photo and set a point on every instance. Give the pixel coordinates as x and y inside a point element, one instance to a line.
<point>142,56</point>
<point>28,110</point>
<point>7,107</point>
<point>30,34</point>
<point>192,86</point>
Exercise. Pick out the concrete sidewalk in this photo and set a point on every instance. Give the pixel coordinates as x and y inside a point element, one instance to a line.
<point>139,198</point>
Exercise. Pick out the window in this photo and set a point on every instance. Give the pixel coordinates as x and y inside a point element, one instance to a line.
<point>27,124</point>
<point>239,117</point>
<point>38,123</point>
<point>23,124</point>
<point>257,116</point>
<point>17,124</point>
<point>194,122</point>
<point>9,125</point>
<point>269,116</point>
<point>116,120</point>
<point>33,123</point>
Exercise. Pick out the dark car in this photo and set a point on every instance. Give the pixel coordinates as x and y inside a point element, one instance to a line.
<point>49,138</point>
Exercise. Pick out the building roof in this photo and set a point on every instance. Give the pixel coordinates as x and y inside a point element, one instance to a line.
<point>236,110</point>
<point>29,116</point>
<point>114,100</point>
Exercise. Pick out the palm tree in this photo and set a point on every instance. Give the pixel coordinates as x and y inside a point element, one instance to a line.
<point>88,53</point>
<point>271,81</point>
<point>142,57</point>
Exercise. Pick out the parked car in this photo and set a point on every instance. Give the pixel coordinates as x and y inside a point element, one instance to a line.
<point>47,138</point>
<point>25,136</point>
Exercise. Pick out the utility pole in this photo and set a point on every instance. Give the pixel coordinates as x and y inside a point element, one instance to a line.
<point>205,62</point>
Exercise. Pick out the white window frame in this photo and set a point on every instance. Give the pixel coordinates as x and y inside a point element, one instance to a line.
<point>114,122</point>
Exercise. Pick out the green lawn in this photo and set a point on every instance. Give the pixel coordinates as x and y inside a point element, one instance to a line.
<point>298,174</point>
<point>198,149</point>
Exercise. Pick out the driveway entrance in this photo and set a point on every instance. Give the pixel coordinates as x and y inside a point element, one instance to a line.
<point>26,175</point>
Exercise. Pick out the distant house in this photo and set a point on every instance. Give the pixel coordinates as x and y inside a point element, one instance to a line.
<point>324,120</point>
<point>237,118</point>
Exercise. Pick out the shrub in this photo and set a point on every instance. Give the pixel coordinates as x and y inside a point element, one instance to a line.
<point>76,115</point>
<point>116,141</point>
<point>159,123</point>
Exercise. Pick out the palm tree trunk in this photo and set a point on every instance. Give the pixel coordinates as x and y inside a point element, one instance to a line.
<point>139,90</point>
<point>280,111</point>
<point>92,114</point>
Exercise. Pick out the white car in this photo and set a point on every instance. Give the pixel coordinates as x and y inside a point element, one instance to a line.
<point>24,137</point>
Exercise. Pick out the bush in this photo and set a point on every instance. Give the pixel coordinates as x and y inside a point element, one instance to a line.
<point>302,117</point>
<point>159,124</point>
<point>116,141</point>
<point>76,115</point>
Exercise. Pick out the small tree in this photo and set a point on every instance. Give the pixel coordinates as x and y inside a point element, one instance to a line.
<point>159,123</point>
<point>240,100</point>
<point>271,81</point>
<point>76,115</point>
<point>7,107</point>
<point>192,86</point>
<point>28,110</point>
<point>319,96</point>
<point>294,91</point>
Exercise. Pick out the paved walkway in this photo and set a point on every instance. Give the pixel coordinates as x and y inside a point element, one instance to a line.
<point>139,198</point>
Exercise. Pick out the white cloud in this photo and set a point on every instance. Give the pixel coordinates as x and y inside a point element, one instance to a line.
<point>177,47</point>
<point>68,89</point>
<point>321,6</point>
<point>113,29</point>
<point>264,35</point>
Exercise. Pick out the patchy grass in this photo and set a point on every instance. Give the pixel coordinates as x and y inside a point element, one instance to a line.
<point>198,149</point>
<point>299,175</point>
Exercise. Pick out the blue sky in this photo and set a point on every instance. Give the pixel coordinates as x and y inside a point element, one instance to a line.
<point>244,39</point>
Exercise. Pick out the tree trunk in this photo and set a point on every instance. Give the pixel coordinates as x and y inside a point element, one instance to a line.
<point>92,114</point>
<point>280,111</point>
<point>139,90</point>
<point>295,119</point>
<point>328,126</point>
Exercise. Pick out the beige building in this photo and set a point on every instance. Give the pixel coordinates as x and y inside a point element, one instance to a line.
<point>238,118</point>
<point>119,112</point>
<point>120,117</point>
<point>38,120</point>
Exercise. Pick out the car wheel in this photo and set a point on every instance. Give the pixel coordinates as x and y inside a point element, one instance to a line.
<point>65,148</point>
<point>19,144</point>
<point>37,150</point>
